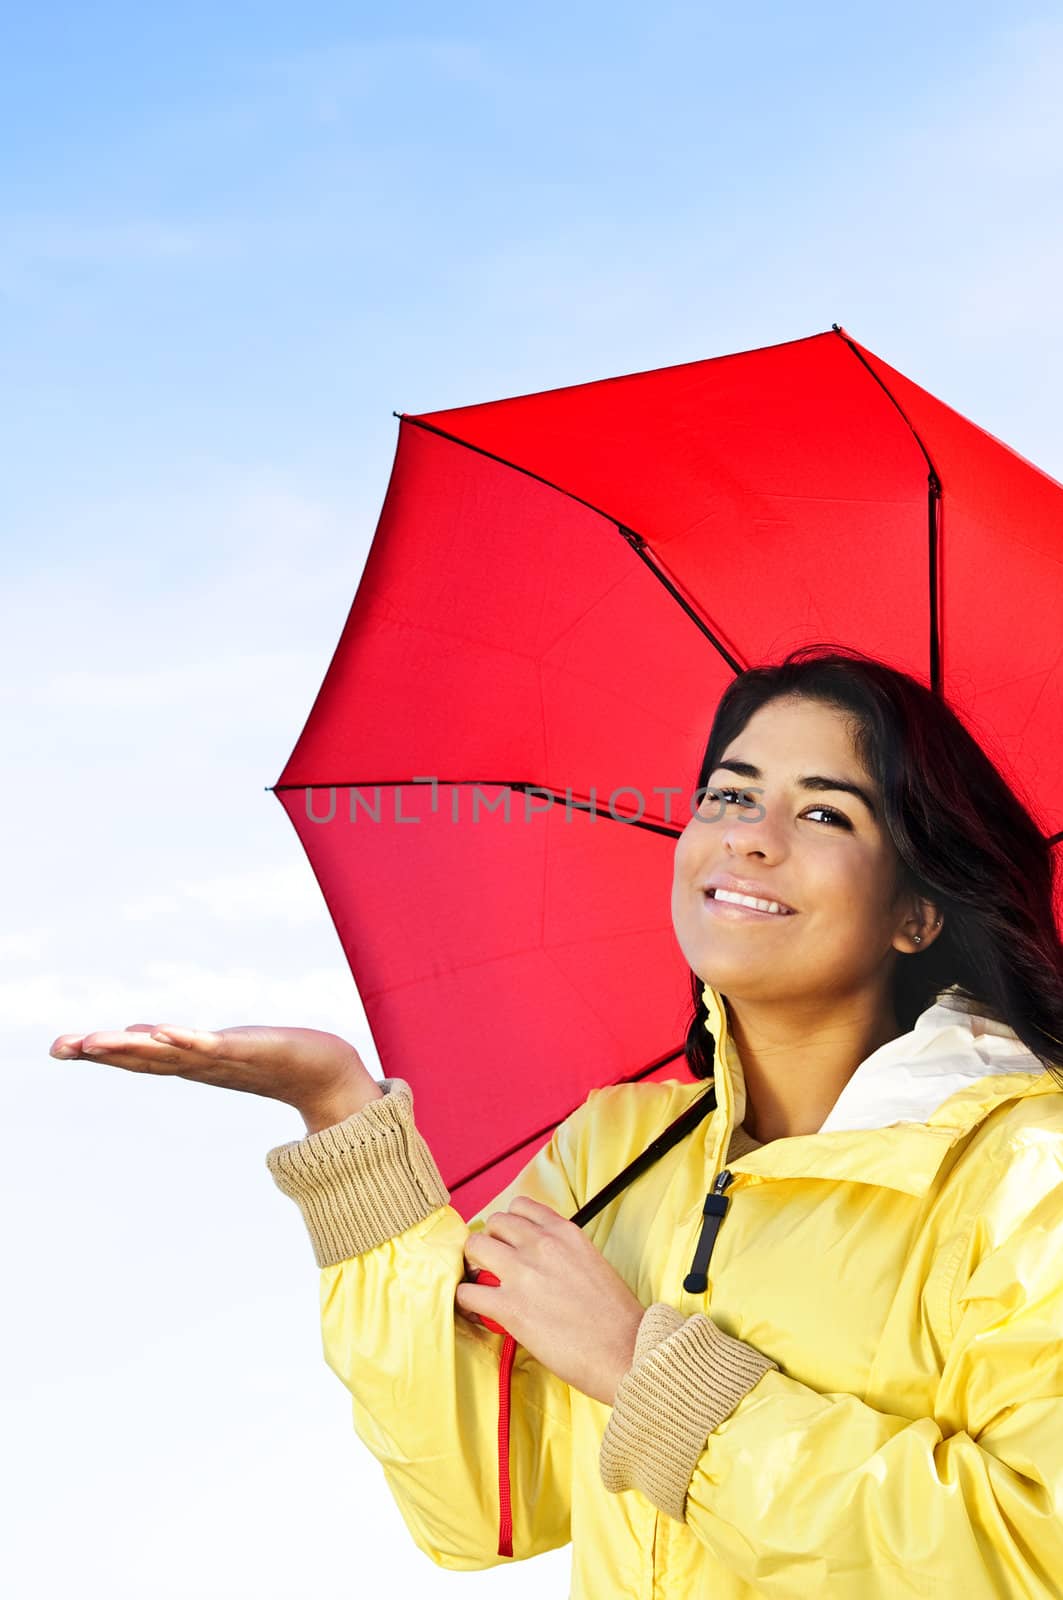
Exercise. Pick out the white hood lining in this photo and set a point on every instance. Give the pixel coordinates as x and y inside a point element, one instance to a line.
<point>908,1078</point>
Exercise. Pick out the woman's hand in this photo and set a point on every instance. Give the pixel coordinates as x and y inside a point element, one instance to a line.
<point>320,1074</point>
<point>557,1295</point>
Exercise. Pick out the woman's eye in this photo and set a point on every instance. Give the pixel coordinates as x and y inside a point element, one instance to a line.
<point>837,819</point>
<point>735,796</point>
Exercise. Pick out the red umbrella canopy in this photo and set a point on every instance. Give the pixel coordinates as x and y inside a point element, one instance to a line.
<point>561,585</point>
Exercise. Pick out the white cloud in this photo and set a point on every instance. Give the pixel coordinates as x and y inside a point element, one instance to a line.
<point>150,906</point>
<point>180,992</point>
<point>287,893</point>
<point>257,676</point>
<point>28,943</point>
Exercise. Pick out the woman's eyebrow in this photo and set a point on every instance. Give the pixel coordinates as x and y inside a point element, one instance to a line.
<point>745,770</point>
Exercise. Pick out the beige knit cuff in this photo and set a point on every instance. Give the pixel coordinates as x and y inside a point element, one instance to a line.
<point>364,1180</point>
<point>686,1378</point>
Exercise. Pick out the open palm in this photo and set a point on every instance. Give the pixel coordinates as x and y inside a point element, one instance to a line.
<point>301,1066</point>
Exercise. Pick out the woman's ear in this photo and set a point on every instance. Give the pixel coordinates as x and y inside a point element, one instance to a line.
<point>922,924</point>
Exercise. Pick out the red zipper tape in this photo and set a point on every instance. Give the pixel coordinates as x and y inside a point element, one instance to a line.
<point>505,1370</point>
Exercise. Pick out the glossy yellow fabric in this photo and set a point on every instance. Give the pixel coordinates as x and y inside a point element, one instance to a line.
<point>908,1281</point>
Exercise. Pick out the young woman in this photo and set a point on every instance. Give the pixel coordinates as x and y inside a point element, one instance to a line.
<point>843,1372</point>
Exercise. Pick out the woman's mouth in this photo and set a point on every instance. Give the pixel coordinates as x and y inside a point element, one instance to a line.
<point>728,904</point>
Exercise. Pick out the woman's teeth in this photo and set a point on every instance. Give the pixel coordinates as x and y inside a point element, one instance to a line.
<point>747,900</point>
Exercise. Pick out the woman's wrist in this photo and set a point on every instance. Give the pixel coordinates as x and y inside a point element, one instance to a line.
<point>340,1106</point>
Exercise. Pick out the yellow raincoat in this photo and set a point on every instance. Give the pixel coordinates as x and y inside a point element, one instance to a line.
<point>901,1270</point>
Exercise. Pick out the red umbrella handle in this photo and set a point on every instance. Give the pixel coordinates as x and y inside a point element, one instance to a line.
<point>481,1275</point>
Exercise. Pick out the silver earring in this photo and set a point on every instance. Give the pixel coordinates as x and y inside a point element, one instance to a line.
<point>917,938</point>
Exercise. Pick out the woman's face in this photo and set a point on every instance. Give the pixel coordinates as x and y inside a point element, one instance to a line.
<point>820,852</point>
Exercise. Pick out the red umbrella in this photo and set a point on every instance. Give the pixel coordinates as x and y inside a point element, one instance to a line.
<point>561,585</point>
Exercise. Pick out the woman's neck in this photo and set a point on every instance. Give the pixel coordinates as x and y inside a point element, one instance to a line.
<point>796,1067</point>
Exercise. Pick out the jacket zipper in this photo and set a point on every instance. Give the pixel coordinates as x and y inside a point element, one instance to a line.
<point>505,1493</point>
<point>505,1374</point>
<point>713,1212</point>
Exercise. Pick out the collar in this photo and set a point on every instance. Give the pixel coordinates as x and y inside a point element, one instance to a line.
<point>904,1107</point>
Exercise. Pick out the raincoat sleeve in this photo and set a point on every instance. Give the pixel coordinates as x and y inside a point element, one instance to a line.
<point>424,1382</point>
<point>797,1491</point>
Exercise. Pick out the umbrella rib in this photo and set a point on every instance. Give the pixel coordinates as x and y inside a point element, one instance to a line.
<point>933,513</point>
<point>570,801</point>
<point>550,1127</point>
<point>634,540</point>
<point>641,549</point>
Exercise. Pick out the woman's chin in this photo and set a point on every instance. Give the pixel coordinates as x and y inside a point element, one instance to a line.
<point>729,974</point>
<point>722,975</point>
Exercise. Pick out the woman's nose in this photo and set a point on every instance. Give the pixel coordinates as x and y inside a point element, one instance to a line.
<point>757,834</point>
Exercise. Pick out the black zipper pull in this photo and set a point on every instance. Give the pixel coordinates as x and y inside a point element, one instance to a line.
<point>713,1211</point>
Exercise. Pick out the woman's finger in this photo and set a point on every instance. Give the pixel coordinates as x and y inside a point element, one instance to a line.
<point>116,1039</point>
<point>464,1308</point>
<point>67,1045</point>
<point>515,1230</point>
<point>137,1051</point>
<point>199,1039</point>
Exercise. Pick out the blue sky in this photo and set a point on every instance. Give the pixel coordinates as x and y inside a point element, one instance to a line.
<point>232,241</point>
<point>247,233</point>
